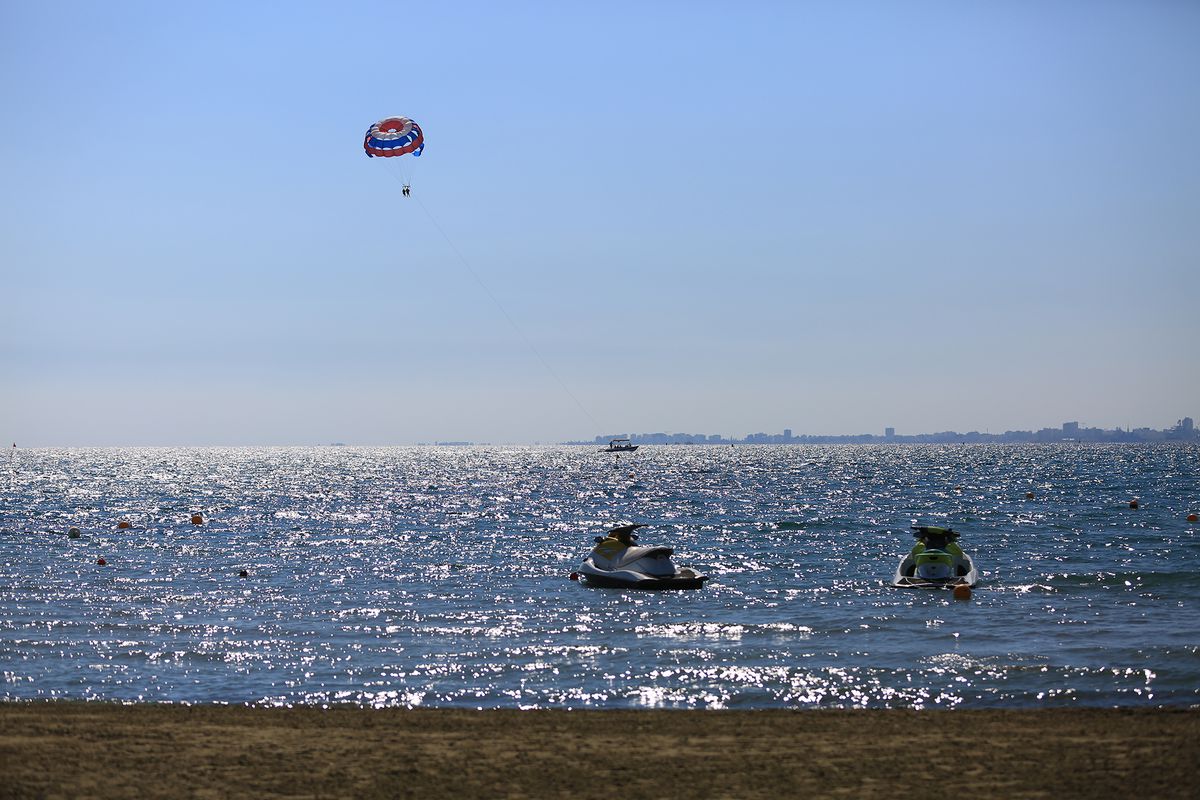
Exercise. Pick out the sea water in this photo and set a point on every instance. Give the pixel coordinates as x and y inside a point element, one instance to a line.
<point>439,577</point>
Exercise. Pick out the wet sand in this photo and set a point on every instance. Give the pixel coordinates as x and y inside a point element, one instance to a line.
<point>73,749</point>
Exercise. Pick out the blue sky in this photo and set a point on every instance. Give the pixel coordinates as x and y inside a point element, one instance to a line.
<point>629,217</point>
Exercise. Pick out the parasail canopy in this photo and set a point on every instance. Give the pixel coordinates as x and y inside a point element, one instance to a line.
<point>394,136</point>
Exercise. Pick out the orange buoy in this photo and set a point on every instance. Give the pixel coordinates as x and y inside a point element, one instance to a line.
<point>1029,495</point>
<point>962,592</point>
<point>123,525</point>
<point>101,561</point>
<point>1133,503</point>
<point>197,519</point>
<point>1192,518</point>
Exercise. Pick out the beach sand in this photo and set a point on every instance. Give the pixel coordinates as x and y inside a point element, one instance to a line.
<point>75,749</point>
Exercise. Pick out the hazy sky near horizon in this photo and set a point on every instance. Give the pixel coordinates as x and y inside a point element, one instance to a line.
<point>629,217</point>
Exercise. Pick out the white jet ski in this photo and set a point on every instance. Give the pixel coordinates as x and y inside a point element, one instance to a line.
<point>935,568</point>
<point>616,563</point>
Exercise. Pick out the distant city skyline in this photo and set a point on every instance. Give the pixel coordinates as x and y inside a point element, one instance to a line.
<point>1184,429</point>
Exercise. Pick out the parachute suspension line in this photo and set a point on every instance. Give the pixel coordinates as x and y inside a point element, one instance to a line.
<point>401,173</point>
<point>528,343</point>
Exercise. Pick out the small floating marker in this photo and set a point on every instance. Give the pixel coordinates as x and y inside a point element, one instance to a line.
<point>243,574</point>
<point>1192,518</point>
<point>1029,495</point>
<point>73,533</point>
<point>1133,503</point>
<point>962,592</point>
<point>574,576</point>
<point>124,525</point>
<point>101,561</point>
<point>197,519</point>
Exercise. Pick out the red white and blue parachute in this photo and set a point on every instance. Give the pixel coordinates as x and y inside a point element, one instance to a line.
<point>394,136</point>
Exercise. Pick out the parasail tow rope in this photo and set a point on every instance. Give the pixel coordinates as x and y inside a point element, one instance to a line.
<point>528,342</point>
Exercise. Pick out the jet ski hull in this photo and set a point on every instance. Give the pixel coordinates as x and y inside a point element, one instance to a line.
<point>903,580</point>
<point>684,578</point>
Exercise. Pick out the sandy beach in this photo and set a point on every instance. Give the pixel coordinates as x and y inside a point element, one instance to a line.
<point>75,749</point>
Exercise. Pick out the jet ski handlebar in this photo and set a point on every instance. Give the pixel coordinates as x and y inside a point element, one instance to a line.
<point>920,531</point>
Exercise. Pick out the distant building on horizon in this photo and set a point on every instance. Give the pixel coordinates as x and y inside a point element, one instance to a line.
<point>890,433</point>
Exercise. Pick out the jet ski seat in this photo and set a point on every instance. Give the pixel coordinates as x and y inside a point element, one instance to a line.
<point>632,554</point>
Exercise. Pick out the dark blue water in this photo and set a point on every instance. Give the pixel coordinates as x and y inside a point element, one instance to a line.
<point>439,577</point>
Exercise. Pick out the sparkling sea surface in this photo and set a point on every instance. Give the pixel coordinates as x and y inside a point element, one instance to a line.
<point>439,576</point>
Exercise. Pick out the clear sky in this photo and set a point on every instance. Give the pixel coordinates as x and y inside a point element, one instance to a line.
<point>629,217</point>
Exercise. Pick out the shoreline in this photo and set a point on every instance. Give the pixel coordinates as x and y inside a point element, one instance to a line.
<point>101,749</point>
